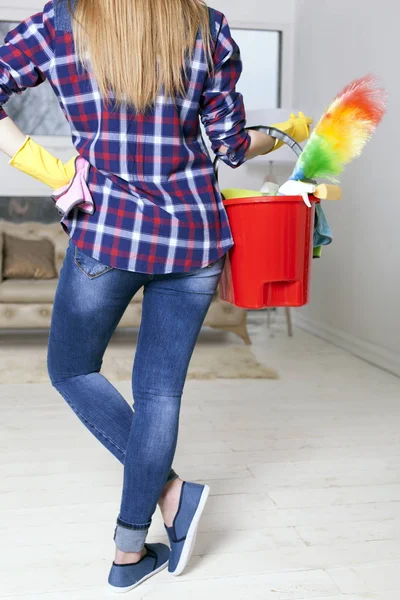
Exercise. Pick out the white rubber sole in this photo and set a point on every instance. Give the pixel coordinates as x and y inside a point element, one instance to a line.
<point>191,534</point>
<point>118,590</point>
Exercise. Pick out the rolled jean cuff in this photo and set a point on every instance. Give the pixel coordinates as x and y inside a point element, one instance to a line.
<point>130,538</point>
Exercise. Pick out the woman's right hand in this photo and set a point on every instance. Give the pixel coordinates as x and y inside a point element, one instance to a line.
<point>298,127</point>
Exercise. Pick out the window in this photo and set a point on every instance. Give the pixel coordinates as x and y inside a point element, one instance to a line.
<point>261,56</point>
<point>36,111</point>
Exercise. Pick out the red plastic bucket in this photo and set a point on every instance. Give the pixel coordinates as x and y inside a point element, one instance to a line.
<point>270,263</point>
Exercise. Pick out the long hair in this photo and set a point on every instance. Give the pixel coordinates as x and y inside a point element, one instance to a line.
<point>138,47</point>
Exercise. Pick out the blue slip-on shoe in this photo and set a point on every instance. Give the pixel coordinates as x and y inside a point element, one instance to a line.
<point>182,534</point>
<point>123,578</point>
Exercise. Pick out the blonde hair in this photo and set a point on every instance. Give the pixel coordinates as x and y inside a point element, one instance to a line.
<point>138,47</point>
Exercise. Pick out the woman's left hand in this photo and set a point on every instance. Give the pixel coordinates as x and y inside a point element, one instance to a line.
<point>36,161</point>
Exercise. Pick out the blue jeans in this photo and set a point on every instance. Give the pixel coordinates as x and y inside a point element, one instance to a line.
<point>90,300</point>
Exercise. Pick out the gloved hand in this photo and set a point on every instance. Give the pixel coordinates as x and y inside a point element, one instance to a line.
<point>34,160</point>
<point>297,127</point>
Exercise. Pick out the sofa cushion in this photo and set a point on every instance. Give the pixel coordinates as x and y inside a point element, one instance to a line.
<point>28,290</point>
<point>35,291</point>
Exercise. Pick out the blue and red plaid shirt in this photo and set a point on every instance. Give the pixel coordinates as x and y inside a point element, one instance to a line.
<point>158,208</point>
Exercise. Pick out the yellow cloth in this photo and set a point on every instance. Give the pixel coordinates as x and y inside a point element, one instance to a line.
<point>238,193</point>
<point>297,127</point>
<point>35,161</point>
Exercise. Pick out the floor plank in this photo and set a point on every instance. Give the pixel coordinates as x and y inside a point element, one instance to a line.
<point>367,578</point>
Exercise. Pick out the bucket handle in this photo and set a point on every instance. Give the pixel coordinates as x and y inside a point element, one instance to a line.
<point>273,132</point>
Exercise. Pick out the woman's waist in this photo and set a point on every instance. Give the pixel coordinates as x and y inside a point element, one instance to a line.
<point>196,179</point>
<point>180,192</point>
<point>170,158</point>
<point>165,206</point>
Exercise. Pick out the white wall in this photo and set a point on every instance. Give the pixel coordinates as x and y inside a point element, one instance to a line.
<point>19,9</point>
<point>281,11</point>
<point>274,11</point>
<point>356,284</point>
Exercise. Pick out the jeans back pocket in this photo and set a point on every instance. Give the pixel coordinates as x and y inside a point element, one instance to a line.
<point>88,265</point>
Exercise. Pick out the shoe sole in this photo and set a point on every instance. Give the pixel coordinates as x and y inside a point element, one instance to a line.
<point>118,590</point>
<point>191,534</point>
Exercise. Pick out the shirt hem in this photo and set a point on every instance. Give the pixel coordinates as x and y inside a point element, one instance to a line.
<point>159,267</point>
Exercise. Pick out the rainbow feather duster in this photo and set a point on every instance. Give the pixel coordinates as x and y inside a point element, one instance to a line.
<point>343,131</point>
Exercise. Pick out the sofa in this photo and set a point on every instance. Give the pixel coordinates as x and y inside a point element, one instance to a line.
<point>27,303</point>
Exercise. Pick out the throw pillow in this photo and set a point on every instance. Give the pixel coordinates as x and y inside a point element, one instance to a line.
<point>28,259</point>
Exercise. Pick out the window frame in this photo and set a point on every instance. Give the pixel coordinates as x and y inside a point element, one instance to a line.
<point>286,45</point>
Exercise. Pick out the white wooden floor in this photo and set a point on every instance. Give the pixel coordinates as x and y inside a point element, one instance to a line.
<point>304,475</point>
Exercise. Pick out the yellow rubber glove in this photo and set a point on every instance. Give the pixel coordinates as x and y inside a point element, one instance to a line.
<point>37,162</point>
<point>297,127</point>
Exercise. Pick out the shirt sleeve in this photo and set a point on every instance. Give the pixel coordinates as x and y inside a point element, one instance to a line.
<point>222,108</point>
<point>26,55</point>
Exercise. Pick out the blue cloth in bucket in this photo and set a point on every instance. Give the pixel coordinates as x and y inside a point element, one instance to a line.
<point>322,231</point>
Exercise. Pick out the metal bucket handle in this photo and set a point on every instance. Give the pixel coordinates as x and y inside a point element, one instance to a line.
<point>273,132</point>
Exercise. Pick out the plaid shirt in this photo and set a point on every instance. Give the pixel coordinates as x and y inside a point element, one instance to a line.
<point>158,208</point>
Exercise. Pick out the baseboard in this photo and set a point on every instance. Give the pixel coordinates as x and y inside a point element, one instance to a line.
<point>380,357</point>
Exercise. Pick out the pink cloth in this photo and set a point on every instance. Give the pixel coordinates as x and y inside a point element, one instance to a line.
<point>75,193</point>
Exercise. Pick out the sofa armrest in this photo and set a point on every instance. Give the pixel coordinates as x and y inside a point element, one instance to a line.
<point>1,256</point>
